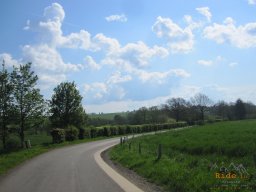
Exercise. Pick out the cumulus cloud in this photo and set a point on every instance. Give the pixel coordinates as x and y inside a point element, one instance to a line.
<point>178,39</point>
<point>139,53</point>
<point>120,18</point>
<point>243,36</point>
<point>160,77</point>
<point>8,60</point>
<point>46,58</point>
<point>118,78</point>
<point>91,64</point>
<point>205,11</point>
<point>102,42</point>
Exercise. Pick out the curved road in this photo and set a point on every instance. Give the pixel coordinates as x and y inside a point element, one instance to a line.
<point>69,169</point>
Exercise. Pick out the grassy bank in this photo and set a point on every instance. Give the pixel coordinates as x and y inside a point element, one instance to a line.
<point>39,146</point>
<point>191,158</point>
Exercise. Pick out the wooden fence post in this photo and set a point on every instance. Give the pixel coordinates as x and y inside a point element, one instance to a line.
<point>121,140</point>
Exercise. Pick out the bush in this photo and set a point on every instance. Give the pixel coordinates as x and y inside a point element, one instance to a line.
<point>12,143</point>
<point>71,133</point>
<point>93,132</point>
<point>81,134</point>
<point>58,135</point>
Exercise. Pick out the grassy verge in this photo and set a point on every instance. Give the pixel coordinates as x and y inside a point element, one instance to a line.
<point>192,158</point>
<point>12,159</point>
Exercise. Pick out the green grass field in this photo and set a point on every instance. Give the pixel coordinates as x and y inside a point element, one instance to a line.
<point>189,155</point>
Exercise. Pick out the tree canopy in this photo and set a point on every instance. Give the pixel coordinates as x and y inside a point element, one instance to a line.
<point>66,107</point>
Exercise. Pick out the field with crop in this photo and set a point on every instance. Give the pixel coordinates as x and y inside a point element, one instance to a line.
<point>213,157</point>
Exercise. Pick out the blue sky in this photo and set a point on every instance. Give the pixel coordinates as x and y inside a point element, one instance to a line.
<point>127,54</point>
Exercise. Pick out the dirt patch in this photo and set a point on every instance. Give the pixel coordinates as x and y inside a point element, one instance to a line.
<point>133,177</point>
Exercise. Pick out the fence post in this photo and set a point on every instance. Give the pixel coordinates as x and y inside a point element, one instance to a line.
<point>139,148</point>
<point>159,152</point>
<point>130,146</point>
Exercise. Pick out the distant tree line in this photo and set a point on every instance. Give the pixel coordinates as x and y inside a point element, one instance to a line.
<point>198,110</point>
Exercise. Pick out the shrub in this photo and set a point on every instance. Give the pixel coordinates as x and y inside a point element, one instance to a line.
<point>93,132</point>
<point>81,134</point>
<point>12,142</point>
<point>106,132</point>
<point>58,135</point>
<point>71,133</point>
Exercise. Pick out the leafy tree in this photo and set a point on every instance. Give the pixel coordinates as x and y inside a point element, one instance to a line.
<point>5,102</point>
<point>202,102</point>
<point>222,109</point>
<point>177,107</point>
<point>119,120</point>
<point>240,111</point>
<point>27,98</point>
<point>66,107</point>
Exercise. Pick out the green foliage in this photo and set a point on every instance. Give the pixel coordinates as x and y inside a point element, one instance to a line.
<point>12,143</point>
<point>66,106</point>
<point>81,134</point>
<point>71,133</point>
<point>28,101</point>
<point>187,154</point>
<point>240,111</point>
<point>58,135</point>
<point>6,99</point>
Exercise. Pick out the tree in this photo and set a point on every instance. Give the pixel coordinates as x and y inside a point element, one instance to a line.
<point>240,111</point>
<point>27,98</point>
<point>222,109</point>
<point>119,120</point>
<point>201,101</point>
<point>5,102</point>
<point>66,107</point>
<point>177,107</point>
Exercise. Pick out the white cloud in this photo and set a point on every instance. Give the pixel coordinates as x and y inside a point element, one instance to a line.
<point>120,18</point>
<point>80,40</point>
<point>101,42</point>
<point>160,77</point>
<point>9,61</point>
<point>205,62</point>
<point>243,36</point>
<point>139,53</point>
<point>90,63</point>
<point>125,105</point>
<point>54,12</point>
<point>178,39</point>
<point>46,58</point>
<point>47,81</point>
<point>252,2</point>
<point>205,11</point>
<point>185,91</point>
<point>118,78</point>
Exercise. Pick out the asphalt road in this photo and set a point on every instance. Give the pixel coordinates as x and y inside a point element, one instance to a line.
<point>69,169</point>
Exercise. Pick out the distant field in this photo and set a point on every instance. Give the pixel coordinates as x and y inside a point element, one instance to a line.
<point>107,116</point>
<point>190,156</point>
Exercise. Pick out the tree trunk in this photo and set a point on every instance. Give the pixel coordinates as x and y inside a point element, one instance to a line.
<point>22,137</point>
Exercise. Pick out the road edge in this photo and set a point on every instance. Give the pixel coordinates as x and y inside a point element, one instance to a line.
<point>125,184</point>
